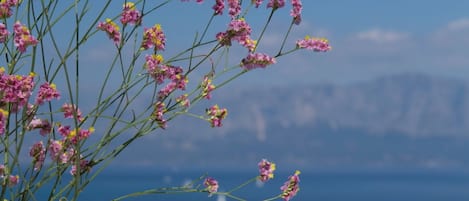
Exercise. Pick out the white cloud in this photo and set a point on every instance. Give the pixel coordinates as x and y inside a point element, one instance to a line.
<point>459,24</point>
<point>260,124</point>
<point>382,36</point>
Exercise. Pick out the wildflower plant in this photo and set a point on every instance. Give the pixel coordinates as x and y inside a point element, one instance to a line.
<point>47,120</point>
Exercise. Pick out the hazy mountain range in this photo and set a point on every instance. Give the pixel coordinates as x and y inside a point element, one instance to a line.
<point>399,121</point>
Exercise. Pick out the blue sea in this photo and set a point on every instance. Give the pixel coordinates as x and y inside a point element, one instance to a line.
<point>315,185</point>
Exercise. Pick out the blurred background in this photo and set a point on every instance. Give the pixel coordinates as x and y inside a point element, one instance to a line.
<point>383,116</point>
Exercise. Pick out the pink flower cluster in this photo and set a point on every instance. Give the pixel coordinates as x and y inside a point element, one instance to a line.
<point>238,30</point>
<point>274,4</point>
<point>266,170</point>
<point>153,37</point>
<point>59,153</point>
<point>3,33</point>
<point>73,136</point>
<point>160,72</point>
<point>291,187</point>
<point>6,8</point>
<point>42,124</point>
<point>257,2</point>
<point>315,44</point>
<point>177,81</point>
<point>47,92</point>
<point>3,121</point>
<point>155,67</point>
<point>257,60</point>
<point>130,14</point>
<point>111,29</point>
<point>160,109</point>
<point>207,87</point>
<point>216,115</point>
<point>38,153</point>
<point>85,166</point>
<point>23,37</point>
<point>15,89</point>
<point>62,152</point>
<point>10,180</point>
<point>183,100</point>
<point>218,7</point>
<point>234,8</point>
<point>70,111</point>
<point>295,12</point>
<point>211,185</point>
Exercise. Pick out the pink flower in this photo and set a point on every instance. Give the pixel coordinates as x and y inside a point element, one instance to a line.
<point>234,8</point>
<point>165,91</point>
<point>216,115</point>
<point>274,4</point>
<point>130,14</point>
<point>211,185</point>
<point>70,111</point>
<point>248,43</point>
<point>64,130</point>
<point>3,33</point>
<point>38,153</point>
<point>22,37</point>
<point>155,67</point>
<point>47,92</point>
<point>55,149</point>
<point>13,3</point>
<point>207,87</point>
<point>16,89</point>
<point>266,170</point>
<point>178,83</point>
<point>178,80</point>
<point>77,135</point>
<point>218,7</point>
<point>13,180</point>
<point>44,125</point>
<point>257,2</point>
<point>160,72</point>
<point>257,60</point>
<point>238,30</point>
<point>291,187</point>
<point>315,44</point>
<point>223,38</point>
<point>183,100</point>
<point>158,112</point>
<point>296,11</point>
<point>3,120</point>
<point>5,10</point>
<point>85,166</point>
<point>111,29</point>
<point>154,37</point>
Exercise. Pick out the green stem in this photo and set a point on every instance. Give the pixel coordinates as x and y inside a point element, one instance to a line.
<point>285,39</point>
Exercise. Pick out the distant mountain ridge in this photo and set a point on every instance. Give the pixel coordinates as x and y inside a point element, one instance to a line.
<point>399,121</point>
<point>413,104</point>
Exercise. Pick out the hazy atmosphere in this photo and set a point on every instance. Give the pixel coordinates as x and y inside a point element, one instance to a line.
<point>392,93</point>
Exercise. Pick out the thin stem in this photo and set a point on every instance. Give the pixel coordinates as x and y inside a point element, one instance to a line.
<point>265,27</point>
<point>285,39</point>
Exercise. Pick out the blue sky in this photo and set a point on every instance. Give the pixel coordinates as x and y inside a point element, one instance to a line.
<point>369,39</point>
<point>376,38</point>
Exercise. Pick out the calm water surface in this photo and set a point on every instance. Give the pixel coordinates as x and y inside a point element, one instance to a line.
<point>321,186</point>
